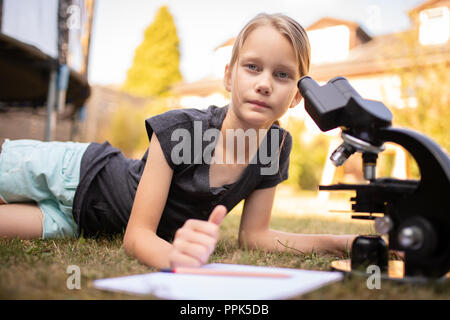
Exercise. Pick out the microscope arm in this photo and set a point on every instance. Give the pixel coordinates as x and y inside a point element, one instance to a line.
<point>433,163</point>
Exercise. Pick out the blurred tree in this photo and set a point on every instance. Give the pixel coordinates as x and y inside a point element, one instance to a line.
<point>127,130</point>
<point>307,159</point>
<point>425,91</point>
<point>156,61</point>
<point>424,88</point>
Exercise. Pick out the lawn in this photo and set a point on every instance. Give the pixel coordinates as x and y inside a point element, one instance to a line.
<point>37,269</point>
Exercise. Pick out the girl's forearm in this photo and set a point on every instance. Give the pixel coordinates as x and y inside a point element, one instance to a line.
<point>278,241</point>
<point>148,248</point>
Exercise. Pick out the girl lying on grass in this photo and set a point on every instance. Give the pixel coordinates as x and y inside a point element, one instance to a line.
<point>172,201</point>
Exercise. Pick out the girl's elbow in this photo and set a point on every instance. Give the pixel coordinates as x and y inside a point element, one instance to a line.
<point>248,240</point>
<point>128,244</point>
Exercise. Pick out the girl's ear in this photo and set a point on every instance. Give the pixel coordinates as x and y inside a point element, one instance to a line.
<point>227,78</point>
<point>298,97</point>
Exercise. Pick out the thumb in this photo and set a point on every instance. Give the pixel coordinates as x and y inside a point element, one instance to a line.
<point>218,214</point>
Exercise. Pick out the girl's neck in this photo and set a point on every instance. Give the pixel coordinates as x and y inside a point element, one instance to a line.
<point>233,122</point>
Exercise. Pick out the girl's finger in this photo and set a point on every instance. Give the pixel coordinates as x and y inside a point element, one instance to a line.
<point>178,259</point>
<point>198,238</point>
<point>205,227</point>
<point>191,249</point>
<point>218,214</point>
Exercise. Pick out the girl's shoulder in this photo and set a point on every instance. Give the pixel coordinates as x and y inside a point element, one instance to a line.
<point>177,117</point>
<point>285,137</point>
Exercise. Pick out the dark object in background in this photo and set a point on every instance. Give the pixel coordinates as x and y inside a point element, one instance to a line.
<point>369,250</point>
<point>416,213</point>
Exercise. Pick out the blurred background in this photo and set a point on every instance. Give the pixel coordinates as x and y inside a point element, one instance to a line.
<point>94,70</point>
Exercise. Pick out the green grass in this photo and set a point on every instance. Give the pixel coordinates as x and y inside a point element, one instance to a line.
<point>37,269</point>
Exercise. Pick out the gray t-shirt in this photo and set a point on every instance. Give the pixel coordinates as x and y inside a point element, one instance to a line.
<point>109,197</point>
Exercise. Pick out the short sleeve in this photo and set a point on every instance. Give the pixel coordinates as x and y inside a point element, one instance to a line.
<point>163,125</point>
<point>282,173</point>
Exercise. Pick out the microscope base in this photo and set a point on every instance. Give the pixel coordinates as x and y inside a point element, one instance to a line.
<point>395,271</point>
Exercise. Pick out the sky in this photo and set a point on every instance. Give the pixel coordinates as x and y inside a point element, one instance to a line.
<point>203,25</point>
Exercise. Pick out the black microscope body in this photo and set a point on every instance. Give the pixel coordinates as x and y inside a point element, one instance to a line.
<point>416,213</point>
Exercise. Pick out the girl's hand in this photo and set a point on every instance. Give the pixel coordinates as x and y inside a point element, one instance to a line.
<point>196,240</point>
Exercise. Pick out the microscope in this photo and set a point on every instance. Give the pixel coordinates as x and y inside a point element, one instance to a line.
<point>414,214</point>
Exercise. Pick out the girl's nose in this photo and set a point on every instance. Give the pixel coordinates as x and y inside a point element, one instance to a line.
<point>263,90</point>
<point>263,86</point>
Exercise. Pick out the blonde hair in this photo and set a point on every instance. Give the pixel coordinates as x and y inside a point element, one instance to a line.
<point>288,27</point>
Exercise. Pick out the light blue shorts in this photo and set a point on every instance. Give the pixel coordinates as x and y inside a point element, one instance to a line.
<point>47,173</point>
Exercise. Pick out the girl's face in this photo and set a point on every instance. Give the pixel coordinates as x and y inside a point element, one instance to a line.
<point>263,81</point>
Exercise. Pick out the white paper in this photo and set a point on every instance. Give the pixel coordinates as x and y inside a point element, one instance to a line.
<point>207,287</point>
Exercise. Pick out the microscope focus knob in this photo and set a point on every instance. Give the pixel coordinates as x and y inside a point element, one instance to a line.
<point>383,225</point>
<point>411,238</point>
<point>418,235</point>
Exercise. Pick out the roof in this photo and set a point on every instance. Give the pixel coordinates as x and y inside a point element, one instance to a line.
<point>204,87</point>
<point>383,54</point>
<point>357,34</point>
<point>368,55</point>
<point>428,4</point>
<point>328,21</point>
<point>319,24</point>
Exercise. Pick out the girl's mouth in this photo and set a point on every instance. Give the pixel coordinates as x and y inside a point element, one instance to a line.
<point>259,103</point>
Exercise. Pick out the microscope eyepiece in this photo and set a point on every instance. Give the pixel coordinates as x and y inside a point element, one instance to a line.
<point>337,104</point>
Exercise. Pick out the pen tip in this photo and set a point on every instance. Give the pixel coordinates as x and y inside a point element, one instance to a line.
<point>169,270</point>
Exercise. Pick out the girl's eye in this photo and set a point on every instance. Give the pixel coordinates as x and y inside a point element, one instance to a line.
<point>282,75</point>
<point>252,67</point>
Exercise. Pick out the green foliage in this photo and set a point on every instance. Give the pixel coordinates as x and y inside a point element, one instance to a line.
<point>307,159</point>
<point>385,164</point>
<point>424,88</point>
<point>127,130</point>
<point>430,87</point>
<point>124,132</point>
<point>156,61</point>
